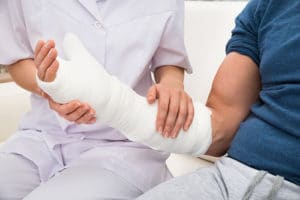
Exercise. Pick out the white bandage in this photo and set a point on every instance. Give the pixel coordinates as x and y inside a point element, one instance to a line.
<point>82,77</point>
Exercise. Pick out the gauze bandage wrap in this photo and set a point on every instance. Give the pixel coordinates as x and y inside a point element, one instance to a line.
<point>82,77</point>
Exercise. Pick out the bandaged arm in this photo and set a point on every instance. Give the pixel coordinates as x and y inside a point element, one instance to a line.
<point>119,106</point>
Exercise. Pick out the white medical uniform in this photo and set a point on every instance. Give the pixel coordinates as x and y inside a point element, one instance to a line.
<point>130,38</point>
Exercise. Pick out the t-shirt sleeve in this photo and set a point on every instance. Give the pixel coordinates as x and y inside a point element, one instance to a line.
<point>244,39</point>
<point>14,43</point>
<point>171,50</point>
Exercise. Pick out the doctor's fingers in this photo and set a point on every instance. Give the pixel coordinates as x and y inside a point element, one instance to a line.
<point>38,47</point>
<point>181,116</point>
<point>46,64</point>
<point>162,111</point>
<point>191,114</point>
<point>74,111</point>
<point>87,118</point>
<point>81,112</point>
<point>152,94</point>
<point>173,111</point>
<point>49,67</point>
<point>42,52</point>
<point>64,109</point>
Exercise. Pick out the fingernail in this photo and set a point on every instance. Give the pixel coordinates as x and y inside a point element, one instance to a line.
<point>173,135</point>
<point>92,114</point>
<point>160,129</point>
<point>185,128</point>
<point>152,98</point>
<point>47,44</point>
<point>50,54</point>
<point>166,133</point>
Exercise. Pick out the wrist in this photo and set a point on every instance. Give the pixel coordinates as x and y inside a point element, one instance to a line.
<point>172,82</point>
<point>170,75</point>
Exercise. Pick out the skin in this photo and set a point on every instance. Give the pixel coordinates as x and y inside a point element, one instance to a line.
<point>175,110</point>
<point>235,88</point>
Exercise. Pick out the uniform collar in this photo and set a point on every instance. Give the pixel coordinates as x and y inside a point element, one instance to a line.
<point>92,7</point>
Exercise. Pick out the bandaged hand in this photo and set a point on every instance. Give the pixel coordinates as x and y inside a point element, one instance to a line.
<point>47,65</point>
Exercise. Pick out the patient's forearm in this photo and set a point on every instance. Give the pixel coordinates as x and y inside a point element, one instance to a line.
<point>24,74</point>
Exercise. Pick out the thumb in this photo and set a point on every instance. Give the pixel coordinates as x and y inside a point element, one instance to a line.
<point>152,94</point>
<point>73,47</point>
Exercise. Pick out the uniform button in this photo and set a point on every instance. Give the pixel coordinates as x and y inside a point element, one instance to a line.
<point>98,25</point>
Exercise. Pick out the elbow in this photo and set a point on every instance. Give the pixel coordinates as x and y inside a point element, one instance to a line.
<point>219,146</point>
<point>224,127</point>
<point>222,136</point>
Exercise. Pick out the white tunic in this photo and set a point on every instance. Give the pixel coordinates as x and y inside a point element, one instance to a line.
<point>130,38</point>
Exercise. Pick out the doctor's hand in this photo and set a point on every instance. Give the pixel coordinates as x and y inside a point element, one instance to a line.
<point>74,111</point>
<point>175,107</point>
<point>45,59</point>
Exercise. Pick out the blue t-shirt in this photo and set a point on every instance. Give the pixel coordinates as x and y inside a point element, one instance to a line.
<point>268,31</point>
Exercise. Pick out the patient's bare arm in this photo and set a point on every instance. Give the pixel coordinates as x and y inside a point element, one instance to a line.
<point>235,88</point>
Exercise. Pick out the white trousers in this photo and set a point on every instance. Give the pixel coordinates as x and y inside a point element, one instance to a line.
<point>19,179</point>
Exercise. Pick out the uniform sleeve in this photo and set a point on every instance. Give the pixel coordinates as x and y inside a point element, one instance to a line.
<point>171,50</point>
<point>14,43</point>
<point>244,39</point>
